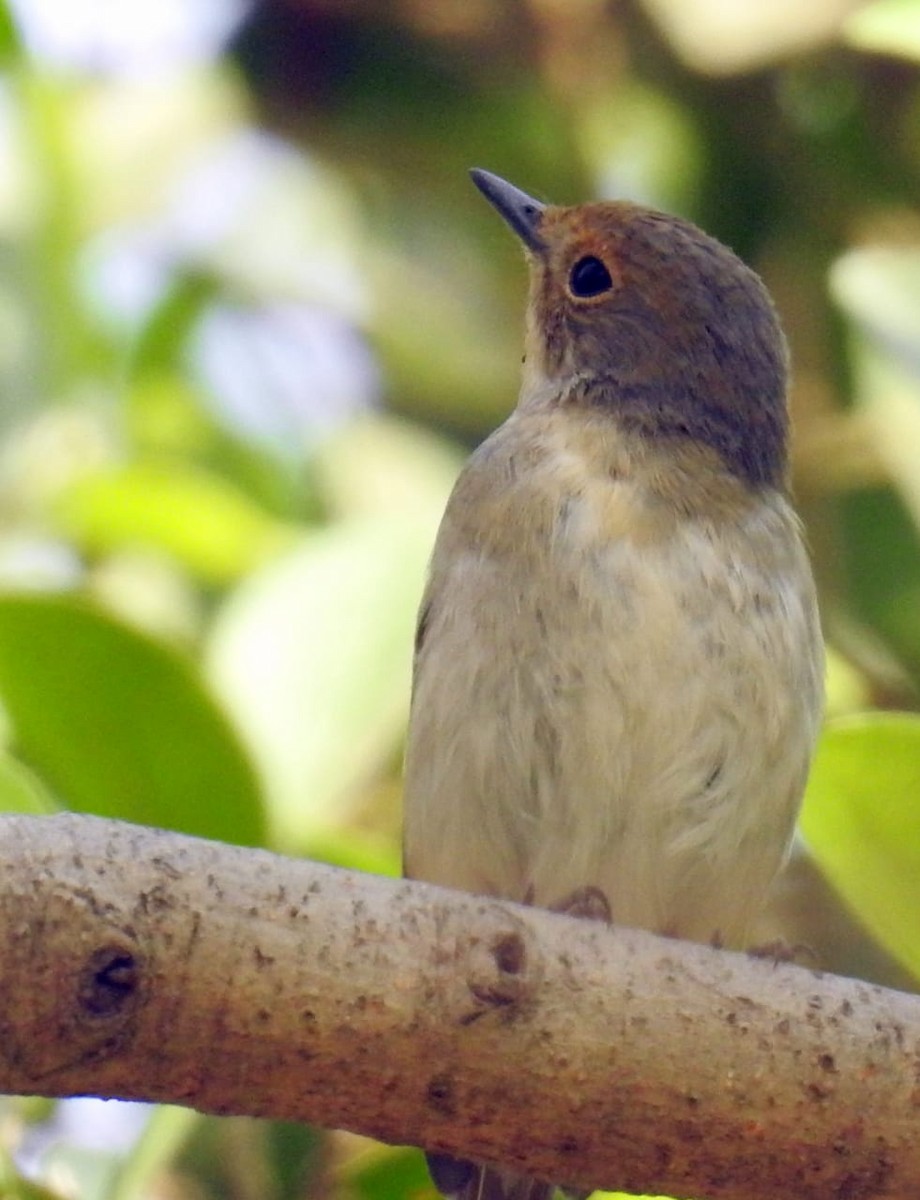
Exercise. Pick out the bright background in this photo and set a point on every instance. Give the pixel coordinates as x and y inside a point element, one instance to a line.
<point>253,315</point>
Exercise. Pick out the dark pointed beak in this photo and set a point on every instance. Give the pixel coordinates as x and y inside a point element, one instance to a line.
<point>521,211</point>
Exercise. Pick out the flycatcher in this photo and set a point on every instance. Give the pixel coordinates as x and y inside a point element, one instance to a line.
<point>618,670</point>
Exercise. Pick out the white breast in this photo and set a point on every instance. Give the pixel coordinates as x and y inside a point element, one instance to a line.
<point>631,712</point>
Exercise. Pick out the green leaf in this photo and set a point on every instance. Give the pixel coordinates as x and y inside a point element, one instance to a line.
<point>624,1196</point>
<point>296,1155</point>
<point>162,341</point>
<point>313,656</point>
<point>861,819</point>
<point>886,27</point>
<point>387,1173</point>
<point>197,517</point>
<point>119,724</point>
<point>11,50</point>
<point>358,850</point>
<point>21,791</point>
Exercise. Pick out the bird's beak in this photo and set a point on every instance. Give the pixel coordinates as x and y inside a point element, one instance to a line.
<point>521,211</point>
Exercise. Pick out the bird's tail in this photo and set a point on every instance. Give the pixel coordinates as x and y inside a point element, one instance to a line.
<point>456,1179</point>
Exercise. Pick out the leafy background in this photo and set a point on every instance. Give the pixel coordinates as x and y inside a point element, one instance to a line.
<point>252,316</point>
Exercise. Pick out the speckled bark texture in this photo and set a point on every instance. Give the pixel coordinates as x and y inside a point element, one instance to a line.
<point>147,965</point>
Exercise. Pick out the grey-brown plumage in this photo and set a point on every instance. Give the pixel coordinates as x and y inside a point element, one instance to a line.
<point>618,678</point>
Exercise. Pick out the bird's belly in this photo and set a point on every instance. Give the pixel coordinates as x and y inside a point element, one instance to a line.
<point>612,728</point>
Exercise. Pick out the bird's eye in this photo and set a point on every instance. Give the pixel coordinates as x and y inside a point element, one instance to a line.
<point>589,277</point>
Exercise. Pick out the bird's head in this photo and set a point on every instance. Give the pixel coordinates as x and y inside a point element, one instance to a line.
<point>642,314</point>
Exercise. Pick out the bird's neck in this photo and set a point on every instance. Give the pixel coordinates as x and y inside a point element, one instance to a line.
<point>668,419</point>
<point>682,473</point>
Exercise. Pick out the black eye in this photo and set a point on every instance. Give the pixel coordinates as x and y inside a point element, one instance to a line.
<point>589,277</point>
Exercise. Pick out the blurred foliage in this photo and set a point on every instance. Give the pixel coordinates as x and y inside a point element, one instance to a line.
<point>251,317</point>
<point>863,822</point>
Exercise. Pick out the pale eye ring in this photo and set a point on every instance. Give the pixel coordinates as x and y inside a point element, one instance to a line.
<point>589,277</point>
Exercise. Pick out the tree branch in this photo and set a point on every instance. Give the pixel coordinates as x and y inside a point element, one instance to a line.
<point>141,964</point>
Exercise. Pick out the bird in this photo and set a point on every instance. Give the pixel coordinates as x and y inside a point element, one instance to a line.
<point>618,672</point>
